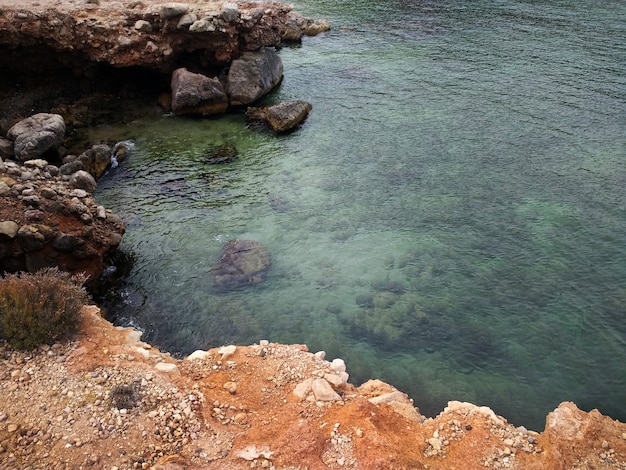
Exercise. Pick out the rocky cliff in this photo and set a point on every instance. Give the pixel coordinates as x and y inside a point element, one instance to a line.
<point>110,401</point>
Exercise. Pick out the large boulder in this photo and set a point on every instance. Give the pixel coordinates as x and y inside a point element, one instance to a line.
<point>34,136</point>
<point>243,263</point>
<point>253,76</point>
<point>194,93</point>
<point>281,117</point>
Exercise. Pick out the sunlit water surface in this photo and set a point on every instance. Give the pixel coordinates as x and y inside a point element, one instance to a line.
<point>451,218</point>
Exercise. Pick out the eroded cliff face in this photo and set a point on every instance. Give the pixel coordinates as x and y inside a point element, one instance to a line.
<point>111,401</point>
<point>152,34</point>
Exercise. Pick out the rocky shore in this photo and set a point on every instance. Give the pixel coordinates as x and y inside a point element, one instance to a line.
<point>110,401</point>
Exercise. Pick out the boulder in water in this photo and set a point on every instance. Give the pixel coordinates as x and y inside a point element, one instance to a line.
<point>243,263</point>
<point>281,117</point>
<point>194,93</point>
<point>96,159</point>
<point>253,76</point>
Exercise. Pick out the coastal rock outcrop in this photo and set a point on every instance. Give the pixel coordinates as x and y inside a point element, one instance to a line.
<point>242,263</point>
<point>47,220</point>
<point>281,117</point>
<point>154,35</point>
<point>253,75</point>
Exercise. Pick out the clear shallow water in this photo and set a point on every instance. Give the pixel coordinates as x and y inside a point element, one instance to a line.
<point>451,218</point>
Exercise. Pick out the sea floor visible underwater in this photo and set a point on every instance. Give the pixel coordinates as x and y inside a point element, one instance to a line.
<point>451,218</point>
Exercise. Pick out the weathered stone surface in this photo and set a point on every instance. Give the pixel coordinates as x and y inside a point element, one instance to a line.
<point>37,134</point>
<point>171,10</point>
<point>83,180</point>
<point>8,230</point>
<point>323,391</point>
<point>297,26</point>
<point>104,38</point>
<point>96,159</point>
<point>230,12</point>
<point>281,117</point>
<point>253,75</point>
<point>243,263</point>
<point>45,222</point>
<point>194,93</point>
<point>6,148</point>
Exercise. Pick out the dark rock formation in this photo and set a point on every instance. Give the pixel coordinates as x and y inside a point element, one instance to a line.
<point>281,117</point>
<point>253,75</point>
<point>34,136</point>
<point>243,263</point>
<point>44,221</point>
<point>96,160</point>
<point>194,93</point>
<point>224,154</point>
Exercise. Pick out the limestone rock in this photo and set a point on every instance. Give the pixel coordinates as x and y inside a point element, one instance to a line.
<point>96,159</point>
<point>253,75</point>
<point>243,263</point>
<point>198,355</point>
<point>194,93</point>
<point>37,134</point>
<point>230,12</point>
<point>8,230</point>
<point>167,367</point>
<point>172,10</point>
<point>297,26</point>
<point>83,180</point>
<point>281,117</point>
<point>323,391</point>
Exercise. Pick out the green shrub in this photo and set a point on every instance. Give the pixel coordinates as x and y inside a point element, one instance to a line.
<point>40,308</point>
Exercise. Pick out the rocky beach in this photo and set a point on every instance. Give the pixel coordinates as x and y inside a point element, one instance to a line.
<point>109,400</point>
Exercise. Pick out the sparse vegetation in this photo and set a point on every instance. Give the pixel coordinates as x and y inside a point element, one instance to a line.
<point>40,308</point>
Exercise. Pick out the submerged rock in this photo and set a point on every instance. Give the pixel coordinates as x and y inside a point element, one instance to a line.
<point>243,263</point>
<point>224,154</point>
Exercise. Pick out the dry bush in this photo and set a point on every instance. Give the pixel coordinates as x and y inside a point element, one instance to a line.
<point>40,308</point>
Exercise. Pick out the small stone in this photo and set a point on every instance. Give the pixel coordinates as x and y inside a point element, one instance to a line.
<point>12,428</point>
<point>143,26</point>
<point>227,351</point>
<point>338,365</point>
<point>198,355</point>
<point>435,443</point>
<point>320,355</point>
<point>167,367</point>
<point>231,387</point>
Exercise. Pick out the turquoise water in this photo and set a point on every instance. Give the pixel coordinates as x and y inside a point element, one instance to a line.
<point>451,218</point>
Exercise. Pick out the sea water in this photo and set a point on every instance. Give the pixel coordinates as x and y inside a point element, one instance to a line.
<point>451,218</point>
